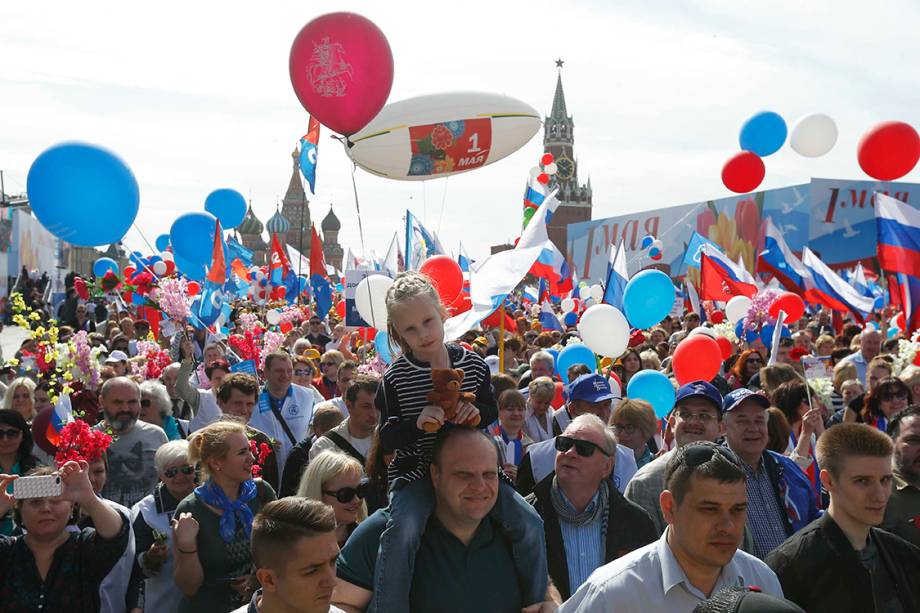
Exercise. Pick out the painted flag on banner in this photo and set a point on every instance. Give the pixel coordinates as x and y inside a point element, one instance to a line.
<point>695,249</point>
<point>309,149</point>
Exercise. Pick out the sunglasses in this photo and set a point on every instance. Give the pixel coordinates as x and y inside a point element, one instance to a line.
<point>889,396</point>
<point>583,448</point>
<point>303,373</point>
<point>146,403</point>
<point>11,433</point>
<point>347,494</point>
<point>697,455</point>
<point>188,469</point>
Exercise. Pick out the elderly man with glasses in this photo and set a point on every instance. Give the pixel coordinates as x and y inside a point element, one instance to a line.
<point>587,522</point>
<point>697,416</point>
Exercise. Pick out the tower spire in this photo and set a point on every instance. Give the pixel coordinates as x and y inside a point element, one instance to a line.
<point>559,111</point>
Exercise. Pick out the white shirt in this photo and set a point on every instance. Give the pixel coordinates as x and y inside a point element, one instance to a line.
<point>324,443</point>
<point>539,431</point>
<point>651,579</point>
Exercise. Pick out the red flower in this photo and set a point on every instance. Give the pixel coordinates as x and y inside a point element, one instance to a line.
<point>109,282</point>
<point>80,442</point>
<point>260,451</point>
<point>441,137</point>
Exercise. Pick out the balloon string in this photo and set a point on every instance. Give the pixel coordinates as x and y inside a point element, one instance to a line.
<point>443,200</point>
<point>354,186</point>
<point>641,254</point>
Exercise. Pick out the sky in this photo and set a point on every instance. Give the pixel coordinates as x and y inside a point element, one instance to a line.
<point>196,96</point>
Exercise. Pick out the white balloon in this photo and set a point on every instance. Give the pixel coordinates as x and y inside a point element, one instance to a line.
<point>657,243</point>
<point>159,268</point>
<point>604,330</point>
<point>737,308</point>
<point>273,317</point>
<point>384,146</point>
<point>568,305</point>
<point>167,256</point>
<point>550,168</point>
<point>703,330</point>
<point>535,172</point>
<point>371,300</point>
<point>597,292</point>
<point>813,135</point>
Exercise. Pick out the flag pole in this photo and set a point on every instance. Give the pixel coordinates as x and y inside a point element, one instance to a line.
<point>501,339</point>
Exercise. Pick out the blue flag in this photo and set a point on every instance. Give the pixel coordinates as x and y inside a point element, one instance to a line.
<point>322,295</point>
<point>308,150</point>
<point>692,256</point>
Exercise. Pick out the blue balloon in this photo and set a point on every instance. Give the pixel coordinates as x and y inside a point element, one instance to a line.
<point>162,242</point>
<point>570,318</point>
<point>228,205</point>
<point>763,134</point>
<point>192,238</point>
<point>655,388</point>
<point>83,194</point>
<point>382,345</point>
<point>766,334</point>
<point>339,287</point>
<point>648,298</point>
<point>104,265</point>
<point>574,353</point>
<point>647,241</point>
<point>195,272</point>
<point>747,335</point>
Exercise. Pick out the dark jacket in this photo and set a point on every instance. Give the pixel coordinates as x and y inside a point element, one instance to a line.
<point>629,527</point>
<point>820,571</point>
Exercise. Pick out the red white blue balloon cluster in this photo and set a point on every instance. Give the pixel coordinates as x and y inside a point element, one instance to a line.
<point>654,246</point>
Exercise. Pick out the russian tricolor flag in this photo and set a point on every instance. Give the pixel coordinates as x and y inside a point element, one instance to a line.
<point>721,279</point>
<point>898,235</point>
<point>829,288</point>
<point>617,278</point>
<point>908,289</point>
<point>548,319</point>
<point>60,417</point>
<point>779,260</point>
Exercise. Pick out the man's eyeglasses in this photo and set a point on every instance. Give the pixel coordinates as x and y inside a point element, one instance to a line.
<point>703,418</point>
<point>188,469</point>
<point>694,455</point>
<point>347,494</point>
<point>11,434</point>
<point>583,448</point>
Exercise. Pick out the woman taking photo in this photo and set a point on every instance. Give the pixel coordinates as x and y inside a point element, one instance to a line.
<point>337,480</point>
<point>15,455</point>
<point>212,525</point>
<point>51,568</point>
<point>19,397</point>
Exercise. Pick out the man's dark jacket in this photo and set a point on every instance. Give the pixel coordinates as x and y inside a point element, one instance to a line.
<point>629,527</point>
<point>820,571</point>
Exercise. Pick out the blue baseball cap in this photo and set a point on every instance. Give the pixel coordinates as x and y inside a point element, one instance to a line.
<point>735,398</point>
<point>590,388</point>
<point>699,389</point>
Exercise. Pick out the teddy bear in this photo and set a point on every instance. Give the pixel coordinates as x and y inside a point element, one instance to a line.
<point>447,395</point>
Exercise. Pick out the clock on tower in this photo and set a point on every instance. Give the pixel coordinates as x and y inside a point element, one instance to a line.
<point>565,168</point>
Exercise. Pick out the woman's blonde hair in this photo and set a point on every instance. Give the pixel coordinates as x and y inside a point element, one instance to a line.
<point>408,285</point>
<point>843,371</point>
<point>25,382</point>
<point>210,443</point>
<point>638,413</point>
<point>325,467</point>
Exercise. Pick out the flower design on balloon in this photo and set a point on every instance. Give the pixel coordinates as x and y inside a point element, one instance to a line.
<point>421,165</point>
<point>441,137</point>
<point>456,127</point>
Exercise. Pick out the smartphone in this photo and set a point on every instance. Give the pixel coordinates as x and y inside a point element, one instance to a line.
<point>43,486</point>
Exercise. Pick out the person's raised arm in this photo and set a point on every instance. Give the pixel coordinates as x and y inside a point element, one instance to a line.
<point>349,597</point>
<point>76,487</point>
<point>183,385</point>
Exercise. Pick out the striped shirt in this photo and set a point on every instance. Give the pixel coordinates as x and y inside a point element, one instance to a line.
<point>403,396</point>
<point>584,545</point>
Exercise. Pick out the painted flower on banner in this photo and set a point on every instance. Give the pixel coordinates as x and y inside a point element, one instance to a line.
<point>441,137</point>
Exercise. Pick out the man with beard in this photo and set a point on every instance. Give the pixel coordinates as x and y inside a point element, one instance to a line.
<point>902,515</point>
<point>132,472</point>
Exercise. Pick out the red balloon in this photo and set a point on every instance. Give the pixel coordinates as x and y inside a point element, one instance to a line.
<point>342,70</point>
<point>193,288</point>
<point>725,346</point>
<point>445,275</point>
<point>697,358</point>
<point>543,178</point>
<point>129,271</point>
<point>743,172</point>
<point>170,267</point>
<point>547,159</point>
<point>461,304</point>
<point>792,304</point>
<point>340,309</point>
<point>889,151</point>
<point>717,317</point>
<point>559,397</point>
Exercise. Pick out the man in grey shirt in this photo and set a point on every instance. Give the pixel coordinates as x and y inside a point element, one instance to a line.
<point>705,505</point>
<point>132,473</point>
<point>697,416</point>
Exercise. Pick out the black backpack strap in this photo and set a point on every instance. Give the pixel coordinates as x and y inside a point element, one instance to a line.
<point>345,446</point>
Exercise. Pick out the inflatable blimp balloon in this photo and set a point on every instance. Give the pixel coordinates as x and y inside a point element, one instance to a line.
<point>442,134</point>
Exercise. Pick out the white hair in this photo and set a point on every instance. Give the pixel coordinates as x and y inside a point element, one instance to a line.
<point>542,356</point>
<point>160,394</point>
<point>592,421</point>
<point>171,453</point>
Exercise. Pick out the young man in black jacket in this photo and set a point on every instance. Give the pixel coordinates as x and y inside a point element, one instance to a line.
<point>842,562</point>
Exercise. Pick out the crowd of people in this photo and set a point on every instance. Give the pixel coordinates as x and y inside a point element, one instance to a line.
<point>328,480</point>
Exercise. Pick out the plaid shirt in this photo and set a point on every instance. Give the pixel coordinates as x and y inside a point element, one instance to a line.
<point>766,520</point>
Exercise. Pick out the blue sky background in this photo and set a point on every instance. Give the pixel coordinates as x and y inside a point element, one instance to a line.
<point>196,96</point>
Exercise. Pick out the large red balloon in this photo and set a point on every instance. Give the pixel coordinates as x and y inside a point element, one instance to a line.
<point>342,69</point>
<point>791,304</point>
<point>445,275</point>
<point>697,358</point>
<point>743,172</point>
<point>461,304</point>
<point>725,346</point>
<point>889,151</point>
